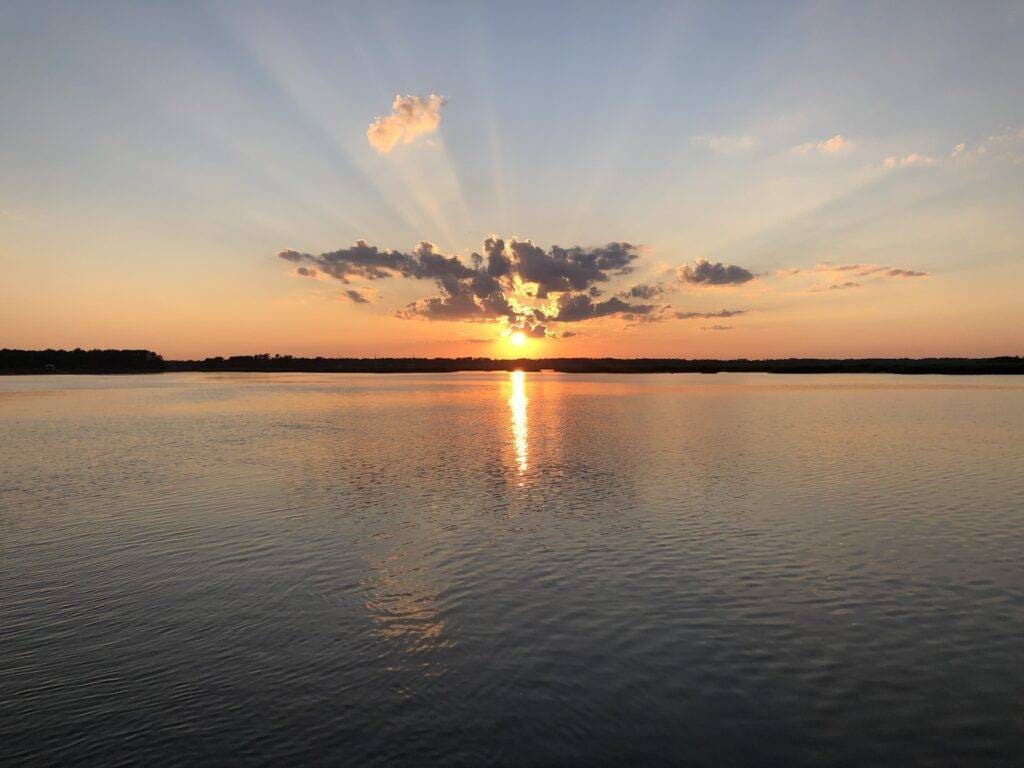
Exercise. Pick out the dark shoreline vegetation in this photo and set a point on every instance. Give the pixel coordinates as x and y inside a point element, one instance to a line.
<point>108,361</point>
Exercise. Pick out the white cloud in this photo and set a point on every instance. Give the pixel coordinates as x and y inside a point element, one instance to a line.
<point>411,116</point>
<point>908,161</point>
<point>833,146</point>
<point>726,145</point>
<point>1008,147</point>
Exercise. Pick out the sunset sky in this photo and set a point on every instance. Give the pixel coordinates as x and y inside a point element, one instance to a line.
<point>423,179</point>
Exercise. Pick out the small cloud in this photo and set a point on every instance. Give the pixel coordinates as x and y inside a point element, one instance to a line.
<point>908,161</point>
<point>843,286</point>
<point>307,271</point>
<point>356,296</point>
<point>868,270</point>
<point>709,315</point>
<point>716,327</point>
<point>535,331</point>
<point>568,334</point>
<point>640,292</point>
<point>705,273</point>
<point>411,116</point>
<point>726,145</point>
<point>834,146</point>
<point>1004,146</point>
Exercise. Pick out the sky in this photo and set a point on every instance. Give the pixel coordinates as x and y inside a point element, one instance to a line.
<point>449,179</point>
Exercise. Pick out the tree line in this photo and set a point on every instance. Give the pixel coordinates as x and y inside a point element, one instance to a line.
<point>146,361</point>
<point>80,361</point>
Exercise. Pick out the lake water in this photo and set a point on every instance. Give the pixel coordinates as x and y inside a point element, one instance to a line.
<point>508,569</point>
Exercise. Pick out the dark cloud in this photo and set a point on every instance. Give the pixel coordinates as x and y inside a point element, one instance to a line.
<point>905,273</point>
<point>306,271</point>
<point>705,273</point>
<point>843,286</point>
<point>357,297</point>
<point>575,307</point>
<point>643,292</point>
<point>498,263</point>
<point>716,327</point>
<point>559,270</point>
<point>457,302</point>
<point>427,263</point>
<point>568,334</point>
<point>482,291</point>
<point>709,315</point>
<point>865,270</point>
<point>360,260</point>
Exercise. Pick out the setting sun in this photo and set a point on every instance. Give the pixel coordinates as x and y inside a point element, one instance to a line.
<point>517,339</point>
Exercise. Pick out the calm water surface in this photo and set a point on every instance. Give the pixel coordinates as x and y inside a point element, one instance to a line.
<point>503,569</point>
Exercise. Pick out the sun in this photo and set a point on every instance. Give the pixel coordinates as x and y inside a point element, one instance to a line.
<point>517,339</point>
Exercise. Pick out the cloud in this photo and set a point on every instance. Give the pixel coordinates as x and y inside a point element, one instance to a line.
<point>411,116</point>
<point>834,146</point>
<point>866,270</point>
<point>638,292</point>
<point>905,273</point>
<point>843,286</point>
<point>569,269</point>
<point>705,273</point>
<point>457,302</point>
<point>576,307</point>
<point>709,315</point>
<point>360,260</point>
<point>716,327</point>
<point>498,286</point>
<point>1006,147</point>
<point>726,145</point>
<point>908,161</point>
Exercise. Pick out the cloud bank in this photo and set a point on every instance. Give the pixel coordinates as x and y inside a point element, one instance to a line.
<point>503,284</point>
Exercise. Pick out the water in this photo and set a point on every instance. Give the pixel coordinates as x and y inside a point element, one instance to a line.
<point>505,569</point>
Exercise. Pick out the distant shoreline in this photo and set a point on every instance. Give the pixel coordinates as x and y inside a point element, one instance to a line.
<point>108,362</point>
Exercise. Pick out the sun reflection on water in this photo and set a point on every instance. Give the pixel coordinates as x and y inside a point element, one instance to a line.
<point>517,403</point>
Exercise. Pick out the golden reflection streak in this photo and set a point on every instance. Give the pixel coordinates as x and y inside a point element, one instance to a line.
<point>517,403</point>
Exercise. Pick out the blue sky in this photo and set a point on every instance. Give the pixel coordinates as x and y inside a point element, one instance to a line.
<point>158,155</point>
